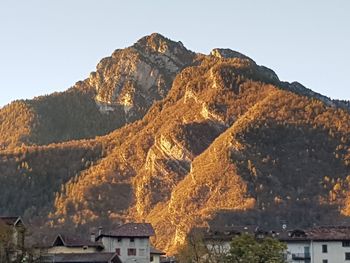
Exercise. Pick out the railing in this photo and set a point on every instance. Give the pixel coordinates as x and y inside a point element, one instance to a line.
<point>299,256</point>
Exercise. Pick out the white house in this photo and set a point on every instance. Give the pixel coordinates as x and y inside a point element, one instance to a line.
<point>318,245</point>
<point>327,244</point>
<point>155,255</point>
<point>130,241</point>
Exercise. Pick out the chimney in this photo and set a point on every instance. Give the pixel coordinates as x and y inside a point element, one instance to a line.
<point>93,237</point>
<point>100,230</point>
<point>284,225</point>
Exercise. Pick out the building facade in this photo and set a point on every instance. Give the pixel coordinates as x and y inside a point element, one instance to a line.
<point>131,242</point>
<point>318,245</point>
<point>155,255</point>
<point>323,244</point>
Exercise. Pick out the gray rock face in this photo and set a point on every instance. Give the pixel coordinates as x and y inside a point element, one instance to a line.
<point>228,53</point>
<point>135,77</point>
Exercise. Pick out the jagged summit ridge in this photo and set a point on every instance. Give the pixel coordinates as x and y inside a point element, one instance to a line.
<point>160,44</point>
<point>121,90</point>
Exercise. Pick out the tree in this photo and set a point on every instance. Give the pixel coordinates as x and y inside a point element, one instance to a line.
<point>247,249</point>
<point>6,245</point>
<point>197,249</point>
<point>194,249</point>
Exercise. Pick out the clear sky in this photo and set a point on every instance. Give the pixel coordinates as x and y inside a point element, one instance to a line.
<point>48,45</point>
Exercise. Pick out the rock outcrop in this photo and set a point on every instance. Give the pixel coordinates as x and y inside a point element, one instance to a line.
<point>137,76</point>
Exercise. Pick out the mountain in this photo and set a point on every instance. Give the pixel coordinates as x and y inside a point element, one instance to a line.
<point>121,90</point>
<point>224,141</point>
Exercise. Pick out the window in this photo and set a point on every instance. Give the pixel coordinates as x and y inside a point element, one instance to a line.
<point>117,251</point>
<point>131,251</point>
<point>132,239</point>
<point>152,259</point>
<point>347,256</point>
<point>142,252</point>
<point>325,261</point>
<point>119,239</point>
<point>324,249</point>
<point>346,243</point>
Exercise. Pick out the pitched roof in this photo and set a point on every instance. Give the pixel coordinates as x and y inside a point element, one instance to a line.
<point>131,230</point>
<point>156,251</point>
<point>329,233</point>
<point>81,258</point>
<point>320,233</point>
<point>69,241</point>
<point>10,220</point>
<point>227,233</point>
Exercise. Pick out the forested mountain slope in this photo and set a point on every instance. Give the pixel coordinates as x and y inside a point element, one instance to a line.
<point>226,143</point>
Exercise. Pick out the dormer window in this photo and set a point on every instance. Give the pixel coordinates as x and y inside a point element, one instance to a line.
<point>297,233</point>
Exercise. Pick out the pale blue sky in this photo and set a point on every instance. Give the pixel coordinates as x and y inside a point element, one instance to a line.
<point>48,45</point>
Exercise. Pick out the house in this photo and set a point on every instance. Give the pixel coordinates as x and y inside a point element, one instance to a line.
<point>81,258</point>
<point>298,245</point>
<point>325,244</point>
<point>155,255</point>
<point>218,239</point>
<point>12,232</point>
<point>131,242</point>
<point>67,244</point>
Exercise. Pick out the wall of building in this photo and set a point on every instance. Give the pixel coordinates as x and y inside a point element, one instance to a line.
<point>141,245</point>
<point>218,247</point>
<point>335,252</point>
<point>296,248</point>
<point>62,249</point>
<point>156,258</point>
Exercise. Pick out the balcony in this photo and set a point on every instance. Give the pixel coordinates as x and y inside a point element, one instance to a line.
<point>301,256</point>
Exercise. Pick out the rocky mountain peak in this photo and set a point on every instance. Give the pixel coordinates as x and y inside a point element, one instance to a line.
<point>160,44</point>
<point>135,77</point>
<point>228,53</point>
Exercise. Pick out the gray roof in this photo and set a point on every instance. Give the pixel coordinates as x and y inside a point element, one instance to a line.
<point>81,258</point>
<point>131,230</point>
<point>157,251</point>
<point>73,241</point>
<point>319,233</point>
